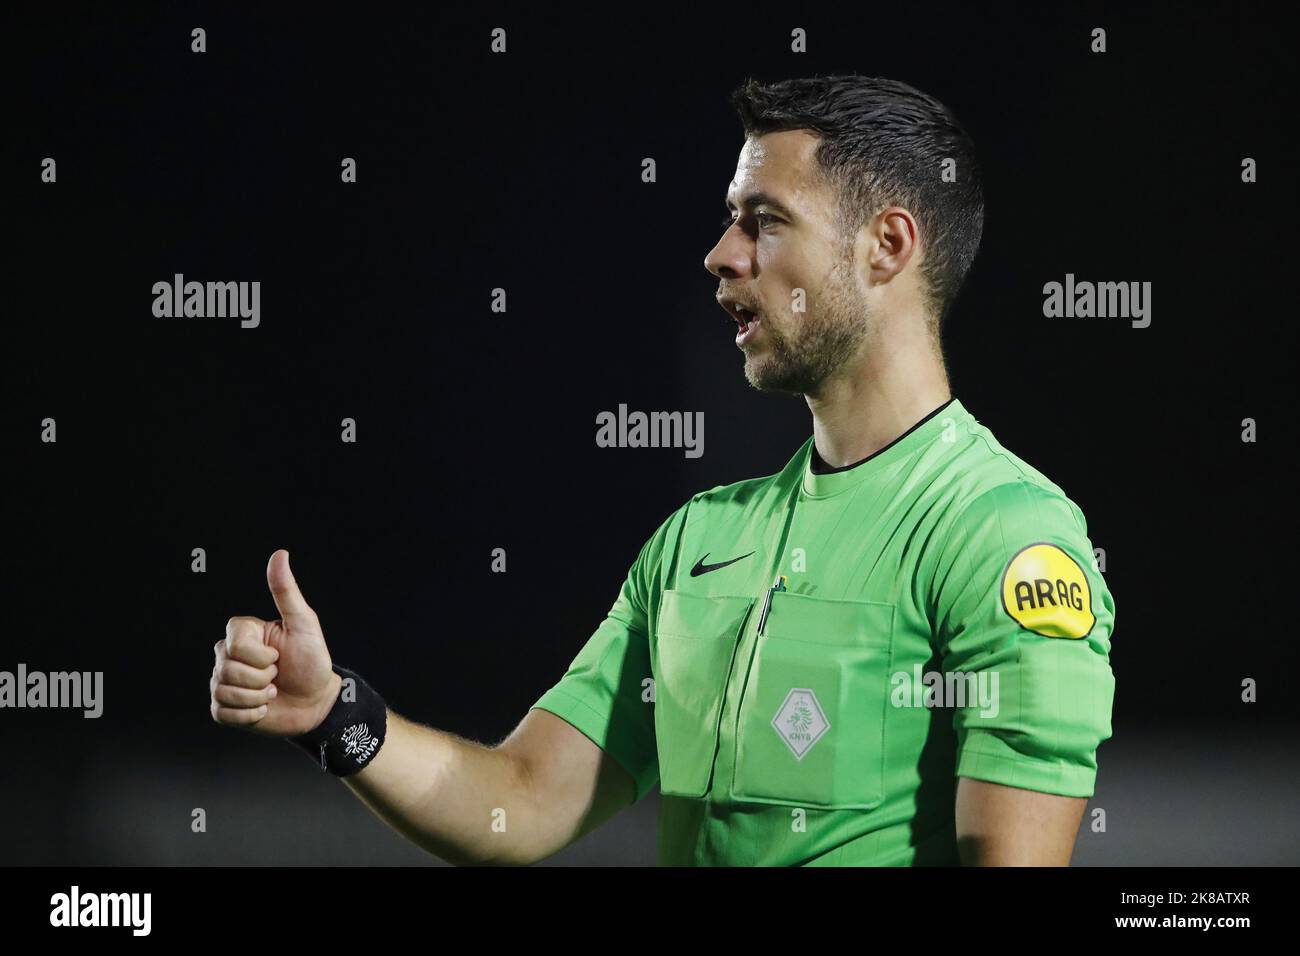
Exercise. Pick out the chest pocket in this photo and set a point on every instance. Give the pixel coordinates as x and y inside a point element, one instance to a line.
<point>812,720</point>
<point>695,640</point>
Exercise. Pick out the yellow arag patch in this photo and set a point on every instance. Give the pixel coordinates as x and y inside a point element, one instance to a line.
<point>1046,591</point>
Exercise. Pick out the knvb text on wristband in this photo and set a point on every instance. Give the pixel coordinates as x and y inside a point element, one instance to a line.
<point>352,732</point>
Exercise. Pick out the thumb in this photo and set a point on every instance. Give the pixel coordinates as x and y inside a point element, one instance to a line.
<point>293,607</point>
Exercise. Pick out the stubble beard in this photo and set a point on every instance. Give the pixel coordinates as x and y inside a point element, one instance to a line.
<point>813,346</point>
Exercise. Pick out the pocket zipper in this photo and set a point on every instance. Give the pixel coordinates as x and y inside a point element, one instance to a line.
<point>777,585</point>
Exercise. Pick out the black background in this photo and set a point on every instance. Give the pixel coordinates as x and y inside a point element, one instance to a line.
<point>476,430</point>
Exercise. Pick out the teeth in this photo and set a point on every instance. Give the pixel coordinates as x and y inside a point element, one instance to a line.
<point>742,315</point>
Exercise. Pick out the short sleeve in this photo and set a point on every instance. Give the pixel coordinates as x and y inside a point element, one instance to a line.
<point>1020,604</point>
<point>607,691</point>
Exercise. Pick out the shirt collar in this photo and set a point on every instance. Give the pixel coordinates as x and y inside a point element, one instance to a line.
<point>951,413</point>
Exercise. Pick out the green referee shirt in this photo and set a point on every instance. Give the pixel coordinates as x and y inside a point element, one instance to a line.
<point>806,662</point>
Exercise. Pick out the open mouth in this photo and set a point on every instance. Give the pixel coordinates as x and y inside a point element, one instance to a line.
<point>747,323</point>
<point>745,319</point>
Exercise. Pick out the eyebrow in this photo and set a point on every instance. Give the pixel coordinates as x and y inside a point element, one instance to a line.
<point>762,199</point>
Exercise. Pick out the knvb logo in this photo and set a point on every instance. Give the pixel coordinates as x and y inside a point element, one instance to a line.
<point>359,743</point>
<point>800,721</point>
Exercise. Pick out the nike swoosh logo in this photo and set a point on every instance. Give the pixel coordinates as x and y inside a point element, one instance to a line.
<point>702,568</point>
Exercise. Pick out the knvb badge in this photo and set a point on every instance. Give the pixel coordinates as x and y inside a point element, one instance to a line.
<point>800,721</point>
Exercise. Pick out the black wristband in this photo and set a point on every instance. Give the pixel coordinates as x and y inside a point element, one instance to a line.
<point>352,732</point>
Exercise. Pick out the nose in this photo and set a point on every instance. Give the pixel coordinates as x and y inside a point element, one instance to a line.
<point>731,257</point>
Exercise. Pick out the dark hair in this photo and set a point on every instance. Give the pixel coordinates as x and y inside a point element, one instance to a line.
<point>882,143</point>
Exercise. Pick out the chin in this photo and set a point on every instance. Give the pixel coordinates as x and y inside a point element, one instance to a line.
<point>755,374</point>
<point>763,377</point>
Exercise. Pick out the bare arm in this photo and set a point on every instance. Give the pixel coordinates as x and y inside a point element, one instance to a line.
<point>527,798</point>
<point>1007,826</point>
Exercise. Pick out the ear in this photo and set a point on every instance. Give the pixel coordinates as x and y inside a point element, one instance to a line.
<point>894,240</point>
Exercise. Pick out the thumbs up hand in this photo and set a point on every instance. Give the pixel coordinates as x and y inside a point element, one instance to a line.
<point>275,677</point>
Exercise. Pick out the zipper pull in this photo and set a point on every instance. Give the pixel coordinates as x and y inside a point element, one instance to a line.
<point>777,585</point>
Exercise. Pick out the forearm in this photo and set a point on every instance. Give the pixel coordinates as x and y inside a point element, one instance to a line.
<point>462,801</point>
<point>1007,826</point>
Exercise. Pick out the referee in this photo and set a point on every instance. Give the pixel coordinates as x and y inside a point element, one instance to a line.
<point>894,651</point>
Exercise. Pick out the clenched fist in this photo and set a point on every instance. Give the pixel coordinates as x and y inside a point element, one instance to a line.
<point>275,677</point>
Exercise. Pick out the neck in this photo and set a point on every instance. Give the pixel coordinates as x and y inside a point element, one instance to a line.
<point>896,380</point>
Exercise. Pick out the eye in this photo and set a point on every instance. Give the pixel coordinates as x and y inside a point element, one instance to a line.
<point>764,219</point>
